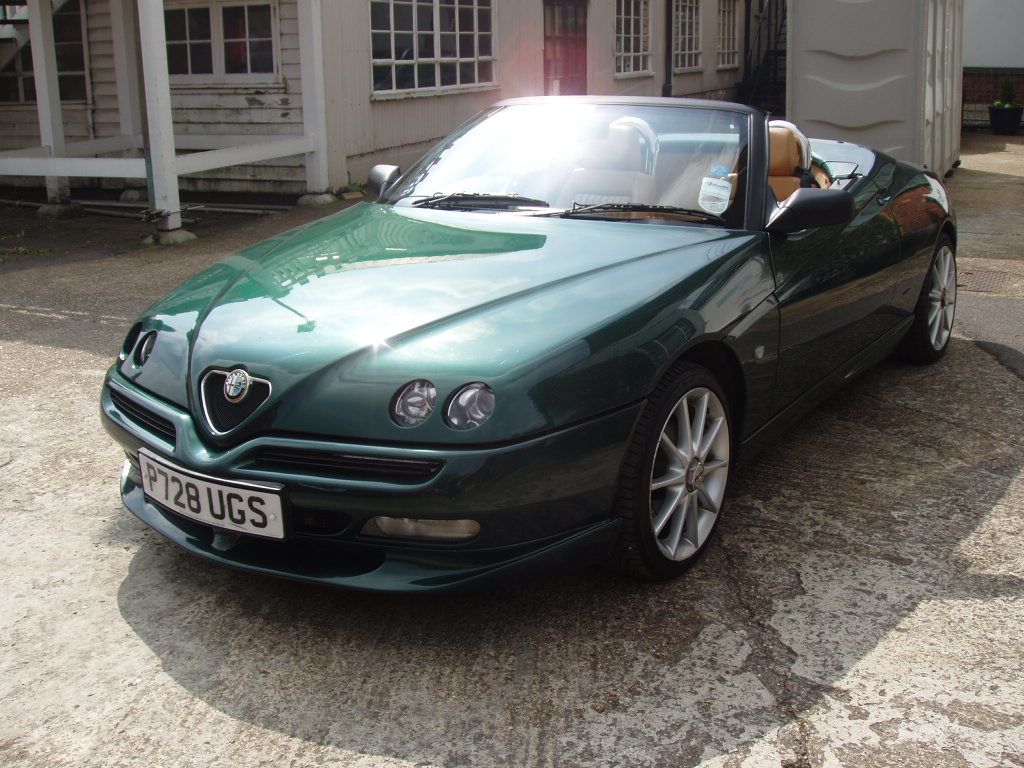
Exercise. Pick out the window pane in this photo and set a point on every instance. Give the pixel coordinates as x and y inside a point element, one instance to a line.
<point>174,21</point>
<point>466,48</point>
<point>9,89</point>
<point>486,71</point>
<point>26,59</point>
<point>449,74</point>
<point>467,73</point>
<point>426,46</point>
<point>261,56</point>
<point>202,58</point>
<point>234,22</point>
<point>382,78</point>
<point>426,75</point>
<point>70,57</point>
<point>380,16</point>
<point>485,45</point>
<point>448,47</point>
<point>403,18</point>
<point>465,19</point>
<point>259,21</point>
<point>484,20</point>
<point>405,77</point>
<point>71,87</point>
<point>236,59</point>
<point>67,27</point>
<point>446,19</point>
<point>199,23</point>
<point>403,47</point>
<point>381,45</point>
<point>28,85</point>
<point>177,58</point>
<point>424,18</point>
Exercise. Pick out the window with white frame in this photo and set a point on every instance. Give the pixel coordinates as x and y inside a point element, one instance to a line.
<point>686,34</point>
<point>632,36</point>
<point>431,45</point>
<point>229,42</point>
<point>17,81</point>
<point>728,38</point>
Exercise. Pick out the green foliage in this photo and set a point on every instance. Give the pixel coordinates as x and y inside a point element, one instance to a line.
<point>1007,93</point>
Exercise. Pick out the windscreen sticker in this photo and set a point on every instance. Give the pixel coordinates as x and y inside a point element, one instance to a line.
<point>715,195</point>
<point>719,171</point>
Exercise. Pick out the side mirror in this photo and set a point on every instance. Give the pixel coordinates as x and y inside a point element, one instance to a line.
<point>810,207</point>
<point>381,178</point>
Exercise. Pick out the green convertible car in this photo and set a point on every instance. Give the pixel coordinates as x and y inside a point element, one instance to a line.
<point>544,344</point>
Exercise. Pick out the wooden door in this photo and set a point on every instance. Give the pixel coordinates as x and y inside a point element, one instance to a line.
<point>565,47</point>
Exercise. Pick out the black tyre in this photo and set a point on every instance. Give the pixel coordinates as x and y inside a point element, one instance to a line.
<point>674,475</point>
<point>927,339</point>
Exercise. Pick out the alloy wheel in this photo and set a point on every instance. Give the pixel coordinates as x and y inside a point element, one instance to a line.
<point>942,297</point>
<point>689,474</point>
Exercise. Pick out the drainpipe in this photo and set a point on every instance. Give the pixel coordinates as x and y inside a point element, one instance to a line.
<point>742,87</point>
<point>666,88</point>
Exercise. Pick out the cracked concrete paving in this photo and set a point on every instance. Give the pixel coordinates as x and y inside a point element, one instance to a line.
<point>862,606</point>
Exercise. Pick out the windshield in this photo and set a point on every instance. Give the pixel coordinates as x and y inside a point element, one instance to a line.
<point>561,155</point>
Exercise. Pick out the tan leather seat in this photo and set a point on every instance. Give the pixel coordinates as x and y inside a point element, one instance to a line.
<point>615,169</point>
<point>789,158</point>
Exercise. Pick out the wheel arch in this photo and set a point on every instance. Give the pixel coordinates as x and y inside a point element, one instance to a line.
<point>725,366</point>
<point>949,230</point>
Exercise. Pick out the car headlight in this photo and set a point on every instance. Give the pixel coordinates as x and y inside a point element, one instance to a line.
<point>145,348</point>
<point>129,342</point>
<point>414,403</point>
<point>470,407</point>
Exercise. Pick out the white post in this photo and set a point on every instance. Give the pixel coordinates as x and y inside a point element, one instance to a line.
<point>314,113</point>
<point>126,67</point>
<point>51,118</point>
<point>163,177</point>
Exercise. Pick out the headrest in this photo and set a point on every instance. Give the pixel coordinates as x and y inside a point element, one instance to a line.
<point>789,151</point>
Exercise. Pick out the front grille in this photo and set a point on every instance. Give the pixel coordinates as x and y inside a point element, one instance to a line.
<point>222,415</point>
<point>143,417</point>
<point>347,465</point>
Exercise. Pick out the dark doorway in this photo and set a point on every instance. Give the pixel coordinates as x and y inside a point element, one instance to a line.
<point>565,47</point>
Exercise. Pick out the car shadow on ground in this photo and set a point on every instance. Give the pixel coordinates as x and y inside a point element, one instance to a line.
<point>872,506</point>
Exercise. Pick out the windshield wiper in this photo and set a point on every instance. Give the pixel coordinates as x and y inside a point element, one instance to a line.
<point>471,200</point>
<point>583,210</point>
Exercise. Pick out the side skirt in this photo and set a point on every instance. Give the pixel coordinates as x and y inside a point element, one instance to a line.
<point>874,353</point>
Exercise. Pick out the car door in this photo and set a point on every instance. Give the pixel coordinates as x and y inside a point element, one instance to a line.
<point>835,287</point>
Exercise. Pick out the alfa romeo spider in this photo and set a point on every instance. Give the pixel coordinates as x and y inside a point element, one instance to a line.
<point>544,344</point>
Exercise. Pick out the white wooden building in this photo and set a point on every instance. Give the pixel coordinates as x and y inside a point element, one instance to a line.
<point>300,96</point>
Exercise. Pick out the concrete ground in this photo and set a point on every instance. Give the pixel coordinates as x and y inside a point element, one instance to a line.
<point>863,605</point>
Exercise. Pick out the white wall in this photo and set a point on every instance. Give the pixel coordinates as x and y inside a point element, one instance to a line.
<point>994,33</point>
<point>884,73</point>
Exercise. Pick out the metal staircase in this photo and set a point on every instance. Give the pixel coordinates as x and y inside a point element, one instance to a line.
<point>764,78</point>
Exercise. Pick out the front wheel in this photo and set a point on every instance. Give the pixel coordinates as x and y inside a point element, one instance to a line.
<point>674,475</point>
<point>928,337</point>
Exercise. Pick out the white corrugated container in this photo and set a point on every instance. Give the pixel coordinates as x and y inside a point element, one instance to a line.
<point>885,73</point>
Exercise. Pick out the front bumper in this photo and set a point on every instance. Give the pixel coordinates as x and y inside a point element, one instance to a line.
<point>543,504</point>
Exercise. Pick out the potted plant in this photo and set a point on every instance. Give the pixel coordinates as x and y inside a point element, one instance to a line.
<point>1005,113</point>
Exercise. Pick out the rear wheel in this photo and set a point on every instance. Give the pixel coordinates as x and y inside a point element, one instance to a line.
<point>674,475</point>
<point>928,337</point>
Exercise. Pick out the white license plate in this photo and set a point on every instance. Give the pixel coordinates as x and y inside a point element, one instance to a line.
<point>241,507</point>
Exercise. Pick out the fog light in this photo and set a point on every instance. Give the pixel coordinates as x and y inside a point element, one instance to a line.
<point>412,528</point>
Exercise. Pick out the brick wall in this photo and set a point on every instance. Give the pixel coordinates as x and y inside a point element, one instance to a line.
<point>981,86</point>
